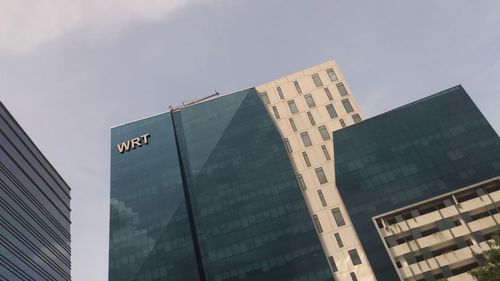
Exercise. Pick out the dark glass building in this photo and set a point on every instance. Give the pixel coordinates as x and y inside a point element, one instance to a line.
<point>207,192</point>
<point>35,210</point>
<point>429,148</point>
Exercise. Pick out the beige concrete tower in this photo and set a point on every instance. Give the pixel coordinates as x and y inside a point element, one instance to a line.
<point>307,107</point>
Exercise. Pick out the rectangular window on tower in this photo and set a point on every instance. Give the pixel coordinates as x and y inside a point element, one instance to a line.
<point>322,198</point>
<point>317,223</point>
<point>292,124</point>
<point>305,139</point>
<point>328,94</point>
<point>292,106</point>
<point>302,183</point>
<point>356,118</point>
<point>297,87</point>
<point>325,152</point>
<point>280,93</point>
<point>306,159</point>
<point>311,119</point>
<point>324,133</point>
<point>347,105</point>
<point>342,89</point>
<point>331,111</point>
<point>317,80</point>
<point>276,113</point>
<point>331,74</point>
<point>337,215</point>
<point>321,175</point>
<point>265,98</point>
<point>310,101</point>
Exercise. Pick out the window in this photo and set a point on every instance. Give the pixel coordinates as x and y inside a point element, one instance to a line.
<point>328,94</point>
<point>287,145</point>
<point>311,119</point>
<point>325,152</point>
<point>265,98</point>
<point>321,198</point>
<point>318,225</point>
<point>305,139</point>
<point>297,87</point>
<point>342,123</point>
<point>353,276</point>
<point>292,106</point>
<point>356,118</point>
<point>331,111</point>
<point>324,133</point>
<point>292,124</point>
<point>331,74</point>
<point>302,183</point>
<point>347,105</point>
<point>276,114</point>
<point>342,90</point>
<point>317,80</point>
<point>280,93</point>
<point>337,215</point>
<point>333,264</point>
<point>310,101</point>
<point>339,240</point>
<point>306,159</point>
<point>321,175</point>
<point>355,259</point>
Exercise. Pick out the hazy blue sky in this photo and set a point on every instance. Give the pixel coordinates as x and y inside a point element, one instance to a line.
<point>70,70</point>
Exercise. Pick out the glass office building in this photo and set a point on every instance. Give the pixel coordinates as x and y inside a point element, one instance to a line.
<point>35,210</point>
<point>207,192</point>
<point>420,182</point>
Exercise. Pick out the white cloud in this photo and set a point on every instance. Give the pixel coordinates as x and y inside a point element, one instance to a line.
<point>25,24</point>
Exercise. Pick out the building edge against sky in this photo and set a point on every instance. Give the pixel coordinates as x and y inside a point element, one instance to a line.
<point>35,215</point>
<point>421,186</point>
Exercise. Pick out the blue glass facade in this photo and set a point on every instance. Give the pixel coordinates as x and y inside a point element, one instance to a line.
<point>421,150</point>
<point>240,212</point>
<point>34,210</point>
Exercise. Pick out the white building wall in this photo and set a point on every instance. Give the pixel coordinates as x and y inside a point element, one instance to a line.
<point>272,99</point>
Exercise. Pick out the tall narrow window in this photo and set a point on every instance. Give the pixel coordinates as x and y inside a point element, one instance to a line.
<point>276,113</point>
<point>347,105</point>
<point>353,276</point>
<point>355,259</point>
<point>317,223</point>
<point>333,264</point>
<point>328,94</point>
<point>317,80</point>
<point>356,118</point>
<point>342,89</point>
<point>321,198</point>
<point>292,106</point>
<point>310,101</point>
<point>337,215</point>
<point>325,152</point>
<point>306,159</point>
<point>331,74</point>
<point>265,98</point>
<point>305,139</point>
<point>297,87</point>
<point>311,119</point>
<point>287,145</point>
<point>339,240</point>
<point>302,183</point>
<point>292,124</point>
<point>321,175</point>
<point>280,93</point>
<point>324,133</point>
<point>331,111</point>
<point>342,123</point>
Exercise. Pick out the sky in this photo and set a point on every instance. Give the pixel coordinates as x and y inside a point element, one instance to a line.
<point>70,70</point>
